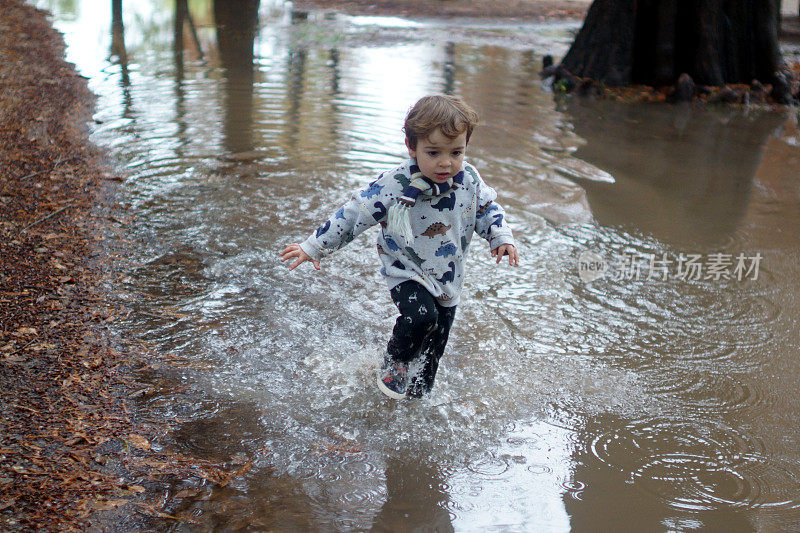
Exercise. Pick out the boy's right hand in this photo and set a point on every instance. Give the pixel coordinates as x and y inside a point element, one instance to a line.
<point>294,251</point>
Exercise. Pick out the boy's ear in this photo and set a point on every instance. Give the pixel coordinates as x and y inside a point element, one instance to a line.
<point>411,151</point>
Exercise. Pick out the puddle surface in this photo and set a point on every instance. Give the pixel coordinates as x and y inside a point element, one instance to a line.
<point>657,396</point>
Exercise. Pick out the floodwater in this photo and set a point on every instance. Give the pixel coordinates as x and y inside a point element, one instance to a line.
<point>660,393</point>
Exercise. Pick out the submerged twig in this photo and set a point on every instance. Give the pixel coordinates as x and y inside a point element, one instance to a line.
<point>51,215</point>
<point>62,160</point>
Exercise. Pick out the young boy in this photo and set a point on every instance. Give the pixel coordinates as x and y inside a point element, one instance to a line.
<point>428,208</point>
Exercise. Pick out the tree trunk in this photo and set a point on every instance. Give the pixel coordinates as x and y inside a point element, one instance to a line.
<point>118,33</point>
<point>654,41</point>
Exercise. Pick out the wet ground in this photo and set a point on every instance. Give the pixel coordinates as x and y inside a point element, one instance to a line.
<point>61,377</point>
<point>660,395</point>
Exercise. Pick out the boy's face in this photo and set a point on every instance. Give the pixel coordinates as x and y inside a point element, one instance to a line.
<point>439,157</point>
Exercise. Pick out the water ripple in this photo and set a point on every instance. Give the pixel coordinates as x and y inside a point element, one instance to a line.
<point>620,448</point>
<point>490,467</point>
<point>539,469</point>
<point>744,481</point>
<point>709,392</point>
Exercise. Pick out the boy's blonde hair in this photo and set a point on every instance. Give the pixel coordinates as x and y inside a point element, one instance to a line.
<point>448,113</point>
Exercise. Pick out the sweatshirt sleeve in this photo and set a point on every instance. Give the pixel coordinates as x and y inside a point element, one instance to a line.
<point>366,207</point>
<point>490,218</point>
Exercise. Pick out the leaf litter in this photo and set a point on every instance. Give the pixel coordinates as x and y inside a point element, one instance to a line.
<point>72,443</point>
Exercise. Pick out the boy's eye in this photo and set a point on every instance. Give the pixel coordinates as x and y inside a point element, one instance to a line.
<point>457,153</point>
<point>432,154</point>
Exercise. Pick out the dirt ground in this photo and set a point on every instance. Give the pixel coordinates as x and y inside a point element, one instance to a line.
<point>517,9</point>
<point>76,453</point>
<point>65,429</point>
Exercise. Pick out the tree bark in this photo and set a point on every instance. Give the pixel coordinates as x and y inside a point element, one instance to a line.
<point>603,49</point>
<point>653,42</point>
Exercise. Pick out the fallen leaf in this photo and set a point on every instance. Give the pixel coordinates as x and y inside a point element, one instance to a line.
<point>42,346</point>
<point>155,512</point>
<point>239,459</point>
<point>93,363</point>
<point>214,475</point>
<point>7,503</point>
<point>105,505</point>
<point>160,465</point>
<point>245,468</point>
<point>137,441</point>
<point>76,439</point>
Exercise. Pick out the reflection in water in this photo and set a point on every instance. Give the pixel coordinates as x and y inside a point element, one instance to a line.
<point>296,75</point>
<point>682,175</point>
<point>449,68</point>
<point>416,498</point>
<point>181,14</point>
<point>120,52</point>
<point>237,24</point>
<point>118,34</point>
<point>333,63</point>
<point>614,472</point>
<point>560,402</point>
<point>183,19</point>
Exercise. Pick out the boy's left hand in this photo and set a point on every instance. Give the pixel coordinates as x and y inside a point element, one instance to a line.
<point>510,251</point>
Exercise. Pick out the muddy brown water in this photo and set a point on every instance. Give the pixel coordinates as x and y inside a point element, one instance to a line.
<point>661,395</point>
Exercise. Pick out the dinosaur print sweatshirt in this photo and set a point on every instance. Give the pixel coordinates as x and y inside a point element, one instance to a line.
<point>442,225</point>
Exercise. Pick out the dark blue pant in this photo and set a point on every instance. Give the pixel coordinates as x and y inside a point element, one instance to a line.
<point>421,330</point>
